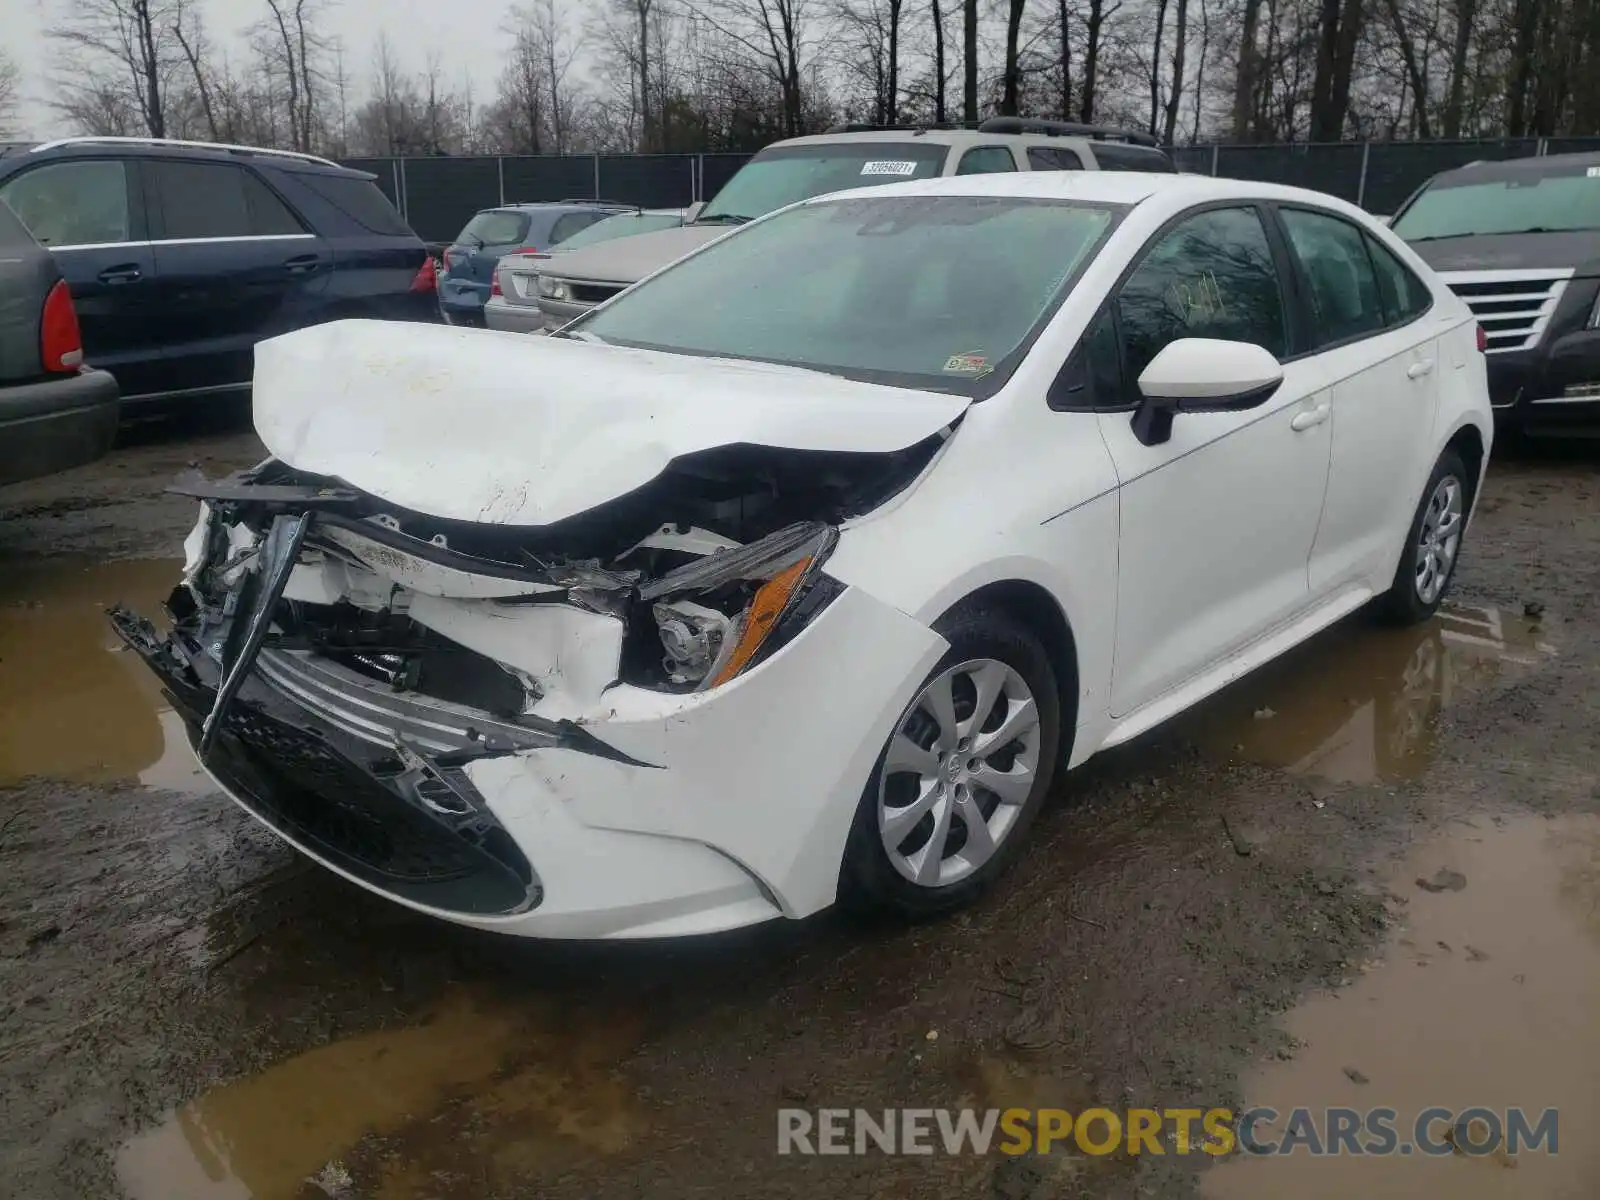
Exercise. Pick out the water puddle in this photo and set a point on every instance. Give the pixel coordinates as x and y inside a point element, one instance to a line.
<point>1358,704</point>
<point>73,704</point>
<point>481,1087</point>
<point>1488,998</point>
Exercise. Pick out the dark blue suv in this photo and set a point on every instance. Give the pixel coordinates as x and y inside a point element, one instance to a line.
<point>181,256</point>
<point>469,262</point>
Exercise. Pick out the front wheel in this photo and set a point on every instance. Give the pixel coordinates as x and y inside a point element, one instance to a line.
<point>963,775</point>
<point>1433,545</point>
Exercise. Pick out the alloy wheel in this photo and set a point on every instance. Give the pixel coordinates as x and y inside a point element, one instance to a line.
<point>958,772</point>
<point>1438,539</point>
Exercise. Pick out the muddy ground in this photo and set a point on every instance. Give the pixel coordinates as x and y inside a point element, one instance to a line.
<point>1229,911</point>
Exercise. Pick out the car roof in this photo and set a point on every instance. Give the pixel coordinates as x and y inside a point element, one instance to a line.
<point>960,138</point>
<point>1520,168</point>
<point>1097,187</point>
<point>98,147</point>
<point>543,206</point>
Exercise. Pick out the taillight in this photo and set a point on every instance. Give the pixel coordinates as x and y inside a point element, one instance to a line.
<point>527,250</point>
<point>1483,340</point>
<point>427,279</point>
<point>494,285</point>
<point>60,343</point>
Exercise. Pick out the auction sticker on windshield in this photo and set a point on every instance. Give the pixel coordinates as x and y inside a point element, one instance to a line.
<point>967,364</point>
<point>888,167</point>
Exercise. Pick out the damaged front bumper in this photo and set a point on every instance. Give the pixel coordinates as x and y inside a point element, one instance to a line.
<point>606,808</point>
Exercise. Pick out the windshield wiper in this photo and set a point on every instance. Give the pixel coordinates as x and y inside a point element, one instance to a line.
<point>1444,237</point>
<point>724,219</point>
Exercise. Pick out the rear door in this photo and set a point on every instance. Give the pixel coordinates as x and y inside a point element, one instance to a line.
<point>1379,350</point>
<point>90,213</point>
<point>233,263</point>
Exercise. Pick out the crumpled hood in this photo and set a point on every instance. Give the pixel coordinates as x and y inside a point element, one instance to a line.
<point>471,425</point>
<point>630,259</point>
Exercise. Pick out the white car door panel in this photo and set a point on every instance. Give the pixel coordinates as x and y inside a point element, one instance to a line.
<point>1383,364</point>
<point>1215,529</point>
<point>1216,522</point>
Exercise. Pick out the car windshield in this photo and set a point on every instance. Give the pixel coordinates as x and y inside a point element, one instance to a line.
<point>495,227</point>
<point>1525,204</point>
<point>622,225</point>
<point>786,174</point>
<point>935,292</point>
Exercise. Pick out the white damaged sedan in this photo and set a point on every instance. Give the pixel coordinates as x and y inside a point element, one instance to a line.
<point>797,572</point>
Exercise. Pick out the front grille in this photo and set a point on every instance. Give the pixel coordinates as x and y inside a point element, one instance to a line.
<point>594,293</point>
<point>1514,307</point>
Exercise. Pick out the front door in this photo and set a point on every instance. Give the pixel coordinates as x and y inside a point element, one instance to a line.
<point>1217,523</point>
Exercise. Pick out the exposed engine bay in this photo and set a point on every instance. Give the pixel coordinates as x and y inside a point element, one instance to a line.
<point>677,586</point>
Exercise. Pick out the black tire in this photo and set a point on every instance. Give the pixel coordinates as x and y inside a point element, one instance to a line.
<point>1401,604</point>
<point>868,880</point>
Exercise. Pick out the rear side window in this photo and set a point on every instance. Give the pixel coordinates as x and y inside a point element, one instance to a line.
<point>1112,156</point>
<point>360,200</point>
<point>570,224</point>
<point>82,203</point>
<point>495,227</point>
<point>1344,288</point>
<point>1053,158</point>
<point>1404,295</point>
<point>986,160</point>
<point>216,200</point>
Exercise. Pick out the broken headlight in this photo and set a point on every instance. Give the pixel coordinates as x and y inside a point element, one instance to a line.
<point>720,615</point>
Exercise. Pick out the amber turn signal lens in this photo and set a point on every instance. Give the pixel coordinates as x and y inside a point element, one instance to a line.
<point>761,618</point>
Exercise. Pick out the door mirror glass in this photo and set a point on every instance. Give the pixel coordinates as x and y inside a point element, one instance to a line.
<point>1210,375</point>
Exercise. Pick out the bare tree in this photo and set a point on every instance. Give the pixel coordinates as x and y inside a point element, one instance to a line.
<point>1180,44</point>
<point>939,73</point>
<point>121,48</point>
<point>1011,77</point>
<point>969,60</point>
<point>293,51</point>
<point>10,93</point>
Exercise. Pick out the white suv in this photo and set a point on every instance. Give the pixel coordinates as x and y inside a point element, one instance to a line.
<point>847,156</point>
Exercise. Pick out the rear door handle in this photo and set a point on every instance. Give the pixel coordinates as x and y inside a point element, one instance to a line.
<point>303,264</point>
<point>1309,419</point>
<point>125,273</point>
<point>1418,369</point>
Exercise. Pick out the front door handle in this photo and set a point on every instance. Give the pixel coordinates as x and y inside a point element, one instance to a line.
<point>1418,369</point>
<point>1309,419</point>
<point>303,264</point>
<point>123,273</point>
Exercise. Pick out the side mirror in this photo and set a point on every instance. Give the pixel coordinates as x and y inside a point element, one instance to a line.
<point>1197,375</point>
<point>692,213</point>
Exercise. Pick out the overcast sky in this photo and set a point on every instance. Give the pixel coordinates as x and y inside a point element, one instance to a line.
<point>465,33</point>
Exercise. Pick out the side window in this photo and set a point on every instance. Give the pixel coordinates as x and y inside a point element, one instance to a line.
<point>570,224</point>
<point>1404,296</point>
<point>986,160</point>
<point>1344,288</point>
<point>82,203</point>
<point>1114,156</point>
<point>201,200</point>
<point>1053,158</point>
<point>1212,276</point>
<point>269,216</point>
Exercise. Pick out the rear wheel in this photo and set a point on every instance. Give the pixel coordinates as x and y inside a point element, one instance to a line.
<point>963,775</point>
<point>1433,545</point>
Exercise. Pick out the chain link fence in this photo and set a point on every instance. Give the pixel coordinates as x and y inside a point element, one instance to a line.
<point>439,195</point>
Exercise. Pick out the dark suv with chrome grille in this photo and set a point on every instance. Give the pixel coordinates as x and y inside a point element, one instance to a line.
<point>1519,241</point>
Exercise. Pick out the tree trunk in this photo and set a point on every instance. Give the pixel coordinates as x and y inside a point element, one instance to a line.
<point>1245,81</point>
<point>1200,69</point>
<point>1013,81</point>
<point>1063,15</point>
<point>1525,26</point>
<point>1091,58</point>
<point>1155,66</point>
<point>191,54</point>
<point>1465,10</point>
<point>969,64</point>
<point>1339,26</point>
<point>646,129</point>
<point>893,107</point>
<point>1180,40</point>
<point>155,118</point>
<point>938,64</point>
<point>1408,55</point>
